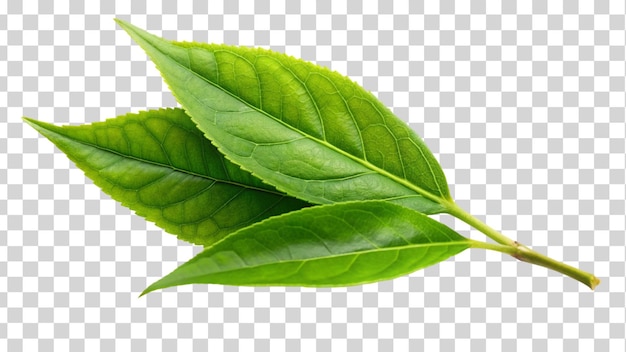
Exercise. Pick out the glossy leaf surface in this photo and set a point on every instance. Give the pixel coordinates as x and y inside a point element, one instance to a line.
<point>158,164</point>
<point>330,245</point>
<point>310,132</point>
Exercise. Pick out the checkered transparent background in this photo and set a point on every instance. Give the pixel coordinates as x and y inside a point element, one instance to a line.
<point>522,102</point>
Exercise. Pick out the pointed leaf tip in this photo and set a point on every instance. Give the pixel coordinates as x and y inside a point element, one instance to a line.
<point>30,121</point>
<point>150,288</point>
<point>44,128</point>
<point>136,32</point>
<point>122,23</point>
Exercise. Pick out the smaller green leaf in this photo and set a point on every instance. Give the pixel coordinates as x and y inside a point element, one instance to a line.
<point>159,164</point>
<point>341,244</point>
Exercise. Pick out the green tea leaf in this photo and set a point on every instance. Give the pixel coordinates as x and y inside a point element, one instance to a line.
<point>330,245</point>
<point>158,164</point>
<point>310,132</point>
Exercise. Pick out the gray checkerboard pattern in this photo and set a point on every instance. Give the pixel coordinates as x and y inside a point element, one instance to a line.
<point>522,102</point>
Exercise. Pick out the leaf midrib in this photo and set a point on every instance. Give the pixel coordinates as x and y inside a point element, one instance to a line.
<point>363,162</point>
<point>165,166</point>
<point>358,253</point>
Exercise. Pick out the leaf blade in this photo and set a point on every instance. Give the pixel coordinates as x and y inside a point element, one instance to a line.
<point>294,133</point>
<point>159,165</point>
<point>341,244</point>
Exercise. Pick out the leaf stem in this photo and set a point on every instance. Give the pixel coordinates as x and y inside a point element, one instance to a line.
<point>518,250</point>
<point>458,212</point>
<point>525,254</point>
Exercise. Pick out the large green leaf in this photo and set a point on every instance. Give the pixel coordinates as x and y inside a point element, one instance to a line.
<point>158,164</point>
<point>341,244</point>
<point>310,132</point>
